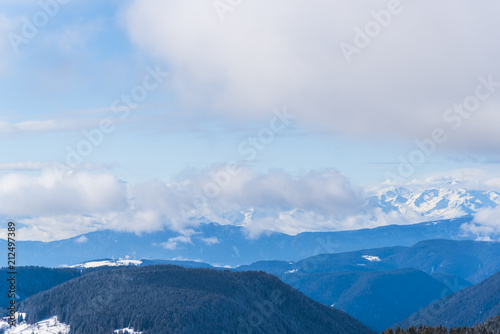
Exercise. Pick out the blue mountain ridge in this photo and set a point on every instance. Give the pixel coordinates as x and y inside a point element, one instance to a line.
<point>230,244</point>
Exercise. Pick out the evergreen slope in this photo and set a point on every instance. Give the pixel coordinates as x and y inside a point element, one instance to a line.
<point>32,280</point>
<point>466,307</point>
<point>171,299</point>
<point>378,299</point>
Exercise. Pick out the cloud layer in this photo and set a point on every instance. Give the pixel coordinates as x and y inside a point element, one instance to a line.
<point>485,224</point>
<point>80,202</point>
<point>423,59</point>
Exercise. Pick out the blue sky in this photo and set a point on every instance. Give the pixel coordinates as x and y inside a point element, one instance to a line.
<point>360,99</point>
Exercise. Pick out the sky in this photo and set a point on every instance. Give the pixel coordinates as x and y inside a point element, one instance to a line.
<point>139,115</point>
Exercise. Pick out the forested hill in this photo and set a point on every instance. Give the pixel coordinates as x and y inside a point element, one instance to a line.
<point>171,299</point>
<point>32,280</point>
<point>466,307</point>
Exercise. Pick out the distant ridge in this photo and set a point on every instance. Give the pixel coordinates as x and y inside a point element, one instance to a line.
<point>473,261</point>
<point>229,245</point>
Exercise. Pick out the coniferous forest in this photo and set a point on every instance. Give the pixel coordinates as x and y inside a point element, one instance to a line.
<point>171,299</point>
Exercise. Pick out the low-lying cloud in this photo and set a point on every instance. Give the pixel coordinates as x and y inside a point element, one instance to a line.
<point>486,223</point>
<point>54,208</point>
<point>80,202</point>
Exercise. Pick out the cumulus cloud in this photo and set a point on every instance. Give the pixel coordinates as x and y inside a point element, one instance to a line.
<point>484,178</point>
<point>215,194</point>
<point>400,85</point>
<point>485,225</point>
<point>81,202</point>
<point>52,208</point>
<point>46,194</point>
<point>210,241</point>
<point>81,240</point>
<point>173,243</point>
<point>297,221</point>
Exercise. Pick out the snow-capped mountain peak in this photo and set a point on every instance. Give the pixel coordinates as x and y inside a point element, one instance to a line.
<point>434,203</point>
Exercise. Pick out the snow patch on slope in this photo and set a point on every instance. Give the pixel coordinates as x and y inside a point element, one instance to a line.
<point>291,271</point>
<point>126,331</point>
<point>372,258</point>
<point>109,263</point>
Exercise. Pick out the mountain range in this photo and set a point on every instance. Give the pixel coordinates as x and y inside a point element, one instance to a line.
<point>383,286</point>
<point>443,211</point>
<point>227,245</point>
<point>434,203</point>
<point>379,287</point>
<point>472,261</point>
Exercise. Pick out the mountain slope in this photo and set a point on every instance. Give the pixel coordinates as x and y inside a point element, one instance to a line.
<point>467,307</point>
<point>171,299</point>
<point>377,299</point>
<point>32,280</point>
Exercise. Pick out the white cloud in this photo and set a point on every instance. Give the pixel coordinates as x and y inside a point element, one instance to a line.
<point>296,221</point>
<point>81,240</point>
<point>55,227</point>
<point>317,201</point>
<point>210,241</point>
<point>399,86</point>
<point>81,202</point>
<point>173,243</point>
<point>484,178</point>
<point>176,204</point>
<point>486,223</point>
<point>47,195</point>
